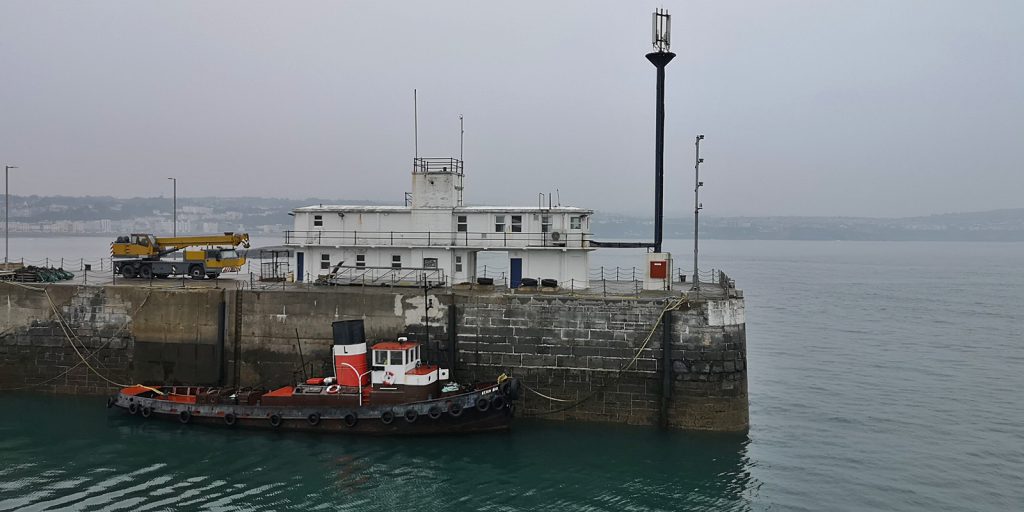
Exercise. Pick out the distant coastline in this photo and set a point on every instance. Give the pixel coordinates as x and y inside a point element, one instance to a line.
<point>63,216</point>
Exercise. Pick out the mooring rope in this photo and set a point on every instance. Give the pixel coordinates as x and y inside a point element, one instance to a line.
<point>669,305</point>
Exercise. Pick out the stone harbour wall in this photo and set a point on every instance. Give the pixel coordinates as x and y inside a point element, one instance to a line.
<point>570,349</point>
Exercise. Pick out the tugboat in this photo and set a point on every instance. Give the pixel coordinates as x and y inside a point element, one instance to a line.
<point>391,393</point>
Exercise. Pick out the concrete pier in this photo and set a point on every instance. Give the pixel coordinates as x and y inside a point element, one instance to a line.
<point>585,358</point>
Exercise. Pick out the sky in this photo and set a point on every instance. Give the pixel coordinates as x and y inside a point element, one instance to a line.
<point>867,108</point>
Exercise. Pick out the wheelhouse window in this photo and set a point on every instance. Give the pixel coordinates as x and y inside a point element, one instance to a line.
<point>396,357</point>
<point>396,261</point>
<point>462,223</point>
<point>499,223</point>
<point>360,260</point>
<point>318,220</point>
<point>576,222</point>
<point>380,357</point>
<point>325,261</point>
<point>545,223</point>
<point>517,223</point>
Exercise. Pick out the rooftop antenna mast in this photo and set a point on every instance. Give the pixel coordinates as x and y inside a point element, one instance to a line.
<point>462,135</point>
<point>661,28</point>
<point>415,124</point>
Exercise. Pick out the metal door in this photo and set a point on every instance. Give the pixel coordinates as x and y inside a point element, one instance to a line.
<point>516,272</point>
<point>299,265</point>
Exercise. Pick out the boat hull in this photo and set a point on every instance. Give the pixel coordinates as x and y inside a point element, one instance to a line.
<point>482,410</point>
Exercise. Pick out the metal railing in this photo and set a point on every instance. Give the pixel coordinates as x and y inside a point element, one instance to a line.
<point>481,239</point>
<point>385,276</point>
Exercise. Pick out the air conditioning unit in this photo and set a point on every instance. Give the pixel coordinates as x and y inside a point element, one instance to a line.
<point>557,238</point>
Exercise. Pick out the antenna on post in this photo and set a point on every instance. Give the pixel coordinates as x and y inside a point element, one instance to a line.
<point>661,24</point>
<point>462,135</point>
<point>415,124</point>
<point>697,184</point>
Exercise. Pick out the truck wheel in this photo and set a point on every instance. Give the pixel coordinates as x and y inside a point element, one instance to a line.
<point>146,272</point>
<point>196,272</point>
<point>128,271</point>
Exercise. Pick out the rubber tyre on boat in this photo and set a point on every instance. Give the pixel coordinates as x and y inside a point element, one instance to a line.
<point>411,415</point>
<point>387,417</point>
<point>482,404</point>
<point>434,412</point>
<point>351,419</point>
<point>133,408</point>
<point>455,410</point>
<point>313,419</point>
<point>184,416</point>
<point>146,412</point>
<point>275,420</point>
<point>230,419</point>
<point>498,402</point>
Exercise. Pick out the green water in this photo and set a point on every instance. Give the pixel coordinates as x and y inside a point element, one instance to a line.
<point>65,452</point>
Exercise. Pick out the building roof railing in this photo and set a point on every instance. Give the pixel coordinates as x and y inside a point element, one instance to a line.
<point>425,165</point>
<point>474,239</point>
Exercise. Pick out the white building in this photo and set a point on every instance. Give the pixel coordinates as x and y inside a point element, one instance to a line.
<point>438,239</point>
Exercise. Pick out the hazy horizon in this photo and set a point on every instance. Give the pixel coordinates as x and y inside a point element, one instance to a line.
<point>866,109</point>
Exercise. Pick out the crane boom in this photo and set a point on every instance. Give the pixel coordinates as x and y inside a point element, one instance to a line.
<point>181,242</point>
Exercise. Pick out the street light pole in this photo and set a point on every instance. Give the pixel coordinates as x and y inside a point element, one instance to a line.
<point>697,184</point>
<point>7,214</point>
<point>175,207</point>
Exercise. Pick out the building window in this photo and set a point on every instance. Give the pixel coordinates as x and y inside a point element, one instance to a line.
<point>458,263</point>
<point>318,220</point>
<point>517,223</point>
<point>499,223</point>
<point>545,223</point>
<point>396,261</point>
<point>576,222</point>
<point>429,262</point>
<point>463,224</point>
<point>360,260</point>
<point>325,261</point>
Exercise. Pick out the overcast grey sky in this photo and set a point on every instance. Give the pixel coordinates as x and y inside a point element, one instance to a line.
<point>877,108</point>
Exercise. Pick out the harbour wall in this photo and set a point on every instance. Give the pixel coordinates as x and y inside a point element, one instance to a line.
<point>568,350</point>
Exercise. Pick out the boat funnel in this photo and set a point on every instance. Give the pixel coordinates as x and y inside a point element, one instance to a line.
<point>350,365</point>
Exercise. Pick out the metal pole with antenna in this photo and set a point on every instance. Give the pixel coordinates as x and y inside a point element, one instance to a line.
<point>175,206</point>
<point>697,184</point>
<point>661,38</point>
<point>7,213</point>
<point>462,136</point>
<point>415,124</point>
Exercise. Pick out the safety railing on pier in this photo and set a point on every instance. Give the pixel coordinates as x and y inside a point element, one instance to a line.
<point>384,276</point>
<point>481,239</point>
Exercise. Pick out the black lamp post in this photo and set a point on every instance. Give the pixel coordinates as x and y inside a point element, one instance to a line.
<point>660,57</point>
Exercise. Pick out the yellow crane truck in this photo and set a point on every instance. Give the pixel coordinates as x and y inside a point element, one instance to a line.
<point>142,255</point>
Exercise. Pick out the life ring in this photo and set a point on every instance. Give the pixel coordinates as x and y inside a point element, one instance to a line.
<point>455,410</point>
<point>434,412</point>
<point>387,417</point>
<point>333,389</point>
<point>482,404</point>
<point>351,419</point>
<point>389,378</point>
<point>498,402</point>
<point>313,419</point>
<point>146,412</point>
<point>133,408</point>
<point>230,419</point>
<point>411,415</point>
<point>275,420</point>
<point>184,416</point>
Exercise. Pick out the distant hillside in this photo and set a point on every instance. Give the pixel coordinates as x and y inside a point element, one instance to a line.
<point>61,215</point>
